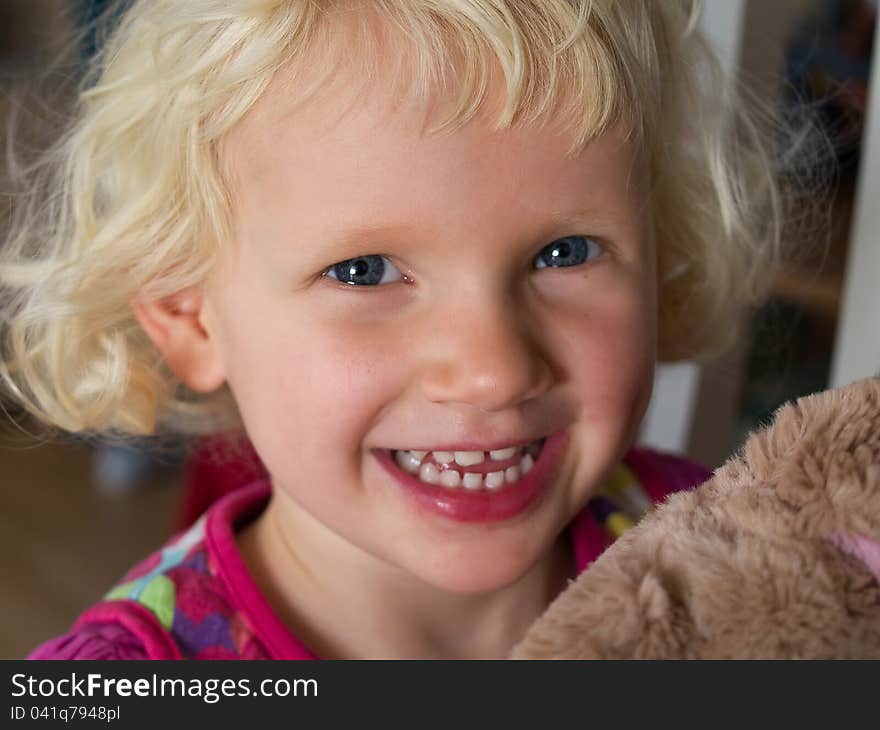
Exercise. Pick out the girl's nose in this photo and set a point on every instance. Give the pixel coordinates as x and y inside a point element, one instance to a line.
<point>486,357</point>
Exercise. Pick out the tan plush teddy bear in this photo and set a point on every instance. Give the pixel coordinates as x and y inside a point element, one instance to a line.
<point>776,556</point>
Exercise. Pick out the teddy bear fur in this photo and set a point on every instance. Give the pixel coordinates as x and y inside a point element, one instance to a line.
<point>752,564</point>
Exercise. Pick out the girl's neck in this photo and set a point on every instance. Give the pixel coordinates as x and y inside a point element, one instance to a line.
<point>353,606</point>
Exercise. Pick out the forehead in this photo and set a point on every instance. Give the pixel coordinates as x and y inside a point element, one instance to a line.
<point>378,144</point>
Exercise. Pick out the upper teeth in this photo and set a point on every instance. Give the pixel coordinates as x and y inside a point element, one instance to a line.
<point>415,462</point>
<point>502,454</point>
<point>469,458</point>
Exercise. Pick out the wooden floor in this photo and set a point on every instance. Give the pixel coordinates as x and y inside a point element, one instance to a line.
<point>63,542</point>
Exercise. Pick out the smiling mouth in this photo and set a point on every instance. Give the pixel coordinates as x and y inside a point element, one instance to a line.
<point>472,471</point>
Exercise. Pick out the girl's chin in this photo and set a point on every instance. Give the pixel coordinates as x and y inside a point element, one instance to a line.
<point>476,580</point>
<point>484,566</point>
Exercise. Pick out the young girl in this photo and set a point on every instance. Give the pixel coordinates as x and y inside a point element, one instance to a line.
<point>425,254</point>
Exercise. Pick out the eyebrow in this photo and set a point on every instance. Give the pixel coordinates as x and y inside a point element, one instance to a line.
<point>358,234</point>
<point>598,218</point>
<point>340,243</point>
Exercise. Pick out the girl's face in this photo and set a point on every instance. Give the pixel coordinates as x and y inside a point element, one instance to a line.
<point>391,292</point>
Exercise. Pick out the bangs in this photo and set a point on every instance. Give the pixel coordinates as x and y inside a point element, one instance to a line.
<point>582,68</point>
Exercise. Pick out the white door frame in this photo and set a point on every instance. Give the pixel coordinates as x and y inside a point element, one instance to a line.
<point>857,346</point>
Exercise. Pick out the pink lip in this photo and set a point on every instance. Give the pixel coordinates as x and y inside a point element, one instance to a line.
<point>482,506</point>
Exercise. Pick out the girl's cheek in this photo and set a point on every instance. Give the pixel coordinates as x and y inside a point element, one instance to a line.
<point>346,369</point>
<point>606,338</point>
<point>611,308</point>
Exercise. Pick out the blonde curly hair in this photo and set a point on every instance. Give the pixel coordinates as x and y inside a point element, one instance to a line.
<point>132,201</point>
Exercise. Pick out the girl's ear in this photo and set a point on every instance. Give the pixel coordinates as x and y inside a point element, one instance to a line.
<point>176,326</point>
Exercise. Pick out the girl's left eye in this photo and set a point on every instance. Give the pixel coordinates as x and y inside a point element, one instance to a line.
<point>370,270</point>
<point>568,251</point>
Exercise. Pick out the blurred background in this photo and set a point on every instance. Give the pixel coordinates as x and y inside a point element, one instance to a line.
<point>74,516</point>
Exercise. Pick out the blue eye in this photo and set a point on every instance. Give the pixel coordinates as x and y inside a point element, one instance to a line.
<point>370,270</point>
<point>568,251</point>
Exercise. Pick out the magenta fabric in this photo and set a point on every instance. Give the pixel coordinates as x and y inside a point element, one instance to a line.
<point>237,578</point>
<point>216,593</point>
<point>94,641</point>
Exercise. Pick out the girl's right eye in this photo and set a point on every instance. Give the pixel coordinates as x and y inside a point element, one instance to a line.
<point>567,252</point>
<point>370,270</point>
